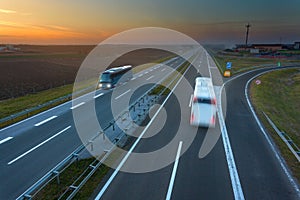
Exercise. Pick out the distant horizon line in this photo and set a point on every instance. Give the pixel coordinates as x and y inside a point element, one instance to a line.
<point>95,44</point>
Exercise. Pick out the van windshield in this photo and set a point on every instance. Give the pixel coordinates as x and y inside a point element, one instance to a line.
<point>105,77</point>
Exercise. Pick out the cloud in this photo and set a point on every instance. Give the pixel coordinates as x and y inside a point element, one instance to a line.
<point>54,27</point>
<point>11,24</point>
<point>5,11</point>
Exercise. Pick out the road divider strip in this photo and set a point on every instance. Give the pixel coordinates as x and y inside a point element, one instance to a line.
<point>37,146</point>
<point>172,180</point>
<point>78,105</point>
<point>46,120</point>
<point>5,140</point>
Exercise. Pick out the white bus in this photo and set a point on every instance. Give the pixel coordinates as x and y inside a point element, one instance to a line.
<point>203,103</point>
<point>114,76</point>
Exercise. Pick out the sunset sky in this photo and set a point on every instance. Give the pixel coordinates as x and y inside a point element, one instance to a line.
<point>91,21</point>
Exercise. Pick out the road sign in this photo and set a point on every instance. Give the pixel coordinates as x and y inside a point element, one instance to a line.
<point>258,82</point>
<point>228,65</point>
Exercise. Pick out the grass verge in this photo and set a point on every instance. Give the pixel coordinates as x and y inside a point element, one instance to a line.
<point>13,106</point>
<point>278,96</point>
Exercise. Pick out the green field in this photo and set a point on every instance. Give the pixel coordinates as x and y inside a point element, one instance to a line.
<point>278,96</point>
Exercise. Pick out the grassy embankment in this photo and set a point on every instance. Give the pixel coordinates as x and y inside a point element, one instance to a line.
<point>278,96</point>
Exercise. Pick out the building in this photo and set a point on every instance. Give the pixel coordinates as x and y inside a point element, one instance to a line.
<point>256,48</point>
<point>267,47</point>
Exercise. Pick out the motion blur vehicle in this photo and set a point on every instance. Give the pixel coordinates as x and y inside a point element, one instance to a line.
<point>115,76</point>
<point>203,105</point>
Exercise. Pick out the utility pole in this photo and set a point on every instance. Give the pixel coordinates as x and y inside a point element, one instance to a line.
<point>247,33</point>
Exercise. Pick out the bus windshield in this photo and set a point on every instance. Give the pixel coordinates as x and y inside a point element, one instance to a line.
<point>105,77</point>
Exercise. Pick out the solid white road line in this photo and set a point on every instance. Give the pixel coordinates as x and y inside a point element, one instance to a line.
<point>76,106</point>
<point>99,95</point>
<point>104,188</point>
<point>5,140</point>
<point>172,180</point>
<point>234,176</point>
<point>46,120</point>
<point>37,146</point>
<point>122,94</point>
<point>208,65</point>
<point>149,78</point>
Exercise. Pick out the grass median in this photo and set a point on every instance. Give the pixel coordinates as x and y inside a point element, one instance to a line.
<point>278,95</point>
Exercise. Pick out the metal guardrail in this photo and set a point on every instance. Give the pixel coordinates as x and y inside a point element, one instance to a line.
<point>285,138</point>
<point>57,170</point>
<point>26,113</point>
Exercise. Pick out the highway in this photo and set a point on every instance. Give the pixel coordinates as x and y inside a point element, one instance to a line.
<point>39,143</point>
<point>262,172</point>
<point>241,165</point>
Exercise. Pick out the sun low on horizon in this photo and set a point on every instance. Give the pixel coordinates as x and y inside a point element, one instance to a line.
<point>92,21</point>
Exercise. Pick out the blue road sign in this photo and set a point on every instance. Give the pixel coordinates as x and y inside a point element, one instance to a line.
<point>228,65</point>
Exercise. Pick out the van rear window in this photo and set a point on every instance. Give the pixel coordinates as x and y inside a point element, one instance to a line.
<point>204,100</point>
<point>201,100</point>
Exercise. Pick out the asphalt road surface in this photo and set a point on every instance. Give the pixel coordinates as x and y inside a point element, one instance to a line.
<point>248,168</point>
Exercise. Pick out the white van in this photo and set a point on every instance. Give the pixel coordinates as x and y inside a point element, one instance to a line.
<point>203,103</point>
